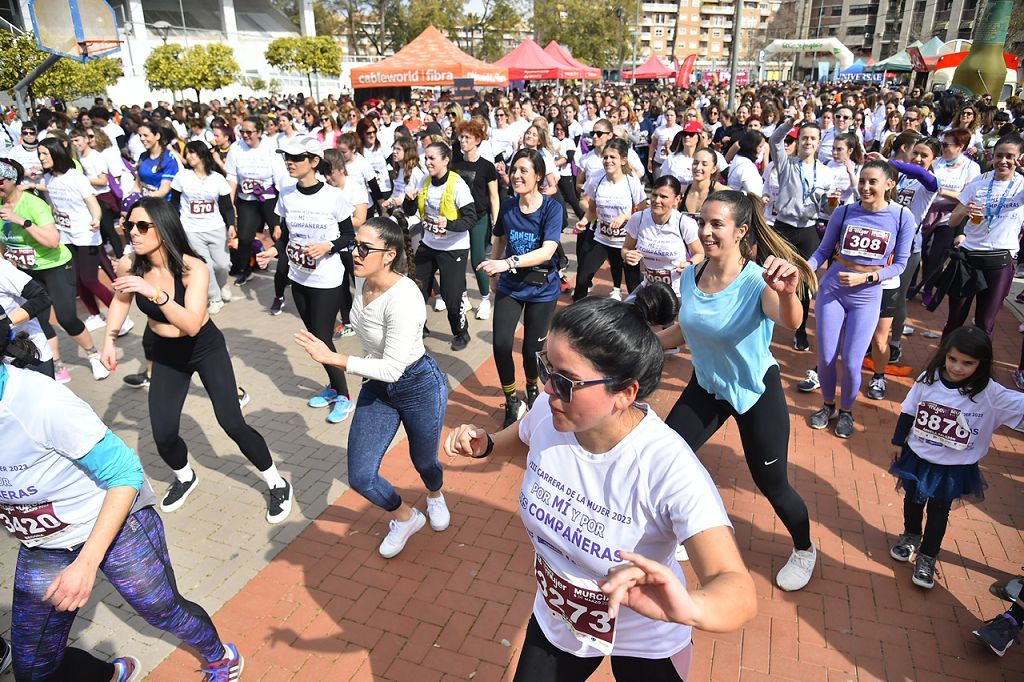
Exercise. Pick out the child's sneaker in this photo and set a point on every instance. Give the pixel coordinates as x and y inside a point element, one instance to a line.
<point>1000,633</point>
<point>227,669</point>
<point>905,547</point>
<point>924,571</point>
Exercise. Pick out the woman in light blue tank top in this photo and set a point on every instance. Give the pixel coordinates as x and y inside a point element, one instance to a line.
<point>729,308</point>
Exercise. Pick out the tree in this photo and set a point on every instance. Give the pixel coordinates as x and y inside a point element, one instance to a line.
<point>199,67</point>
<point>66,80</point>
<point>447,16</point>
<point>499,17</point>
<point>598,32</point>
<point>306,54</point>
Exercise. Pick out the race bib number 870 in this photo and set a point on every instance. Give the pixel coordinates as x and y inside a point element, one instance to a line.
<point>583,610</point>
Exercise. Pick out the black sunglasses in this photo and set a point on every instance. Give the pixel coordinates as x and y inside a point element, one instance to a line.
<point>562,385</point>
<point>363,250</point>
<point>599,133</point>
<point>295,158</point>
<point>245,132</point>
<point>143,226</point>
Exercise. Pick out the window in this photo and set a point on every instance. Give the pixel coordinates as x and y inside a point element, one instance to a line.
<point>693,30</point>
<point>716,47</point>
<point>693,45</point>
<point>658,32</point>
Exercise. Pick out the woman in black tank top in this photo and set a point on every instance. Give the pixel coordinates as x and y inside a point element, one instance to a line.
<point>165,262</point>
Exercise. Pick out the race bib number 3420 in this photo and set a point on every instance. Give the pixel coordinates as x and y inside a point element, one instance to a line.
<point>583,610</point>
<point>31,523</point>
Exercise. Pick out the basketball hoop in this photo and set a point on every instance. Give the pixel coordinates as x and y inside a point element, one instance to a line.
<point>76,29</point>
<point>94,49</point>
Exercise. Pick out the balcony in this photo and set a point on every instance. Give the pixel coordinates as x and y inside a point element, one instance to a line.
<point>660,7</point>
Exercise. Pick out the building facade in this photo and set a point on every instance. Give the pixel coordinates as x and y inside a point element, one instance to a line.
<point>675,29</point>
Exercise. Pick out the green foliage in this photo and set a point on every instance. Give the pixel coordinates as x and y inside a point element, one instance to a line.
<point>498,18</point>
<point>66,80</point>
<point>597,32</point>
<point>199,67</point>
<point>306,54</point>
<point>445,15</point>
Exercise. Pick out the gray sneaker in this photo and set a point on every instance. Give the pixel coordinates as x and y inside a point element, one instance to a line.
<point>905,547</point>
<point>924,571</point>
<point>1000,633</point>
<point>876,389</point>
<point>810,382</point>
<point>844,427</point>
<point>822,417</point>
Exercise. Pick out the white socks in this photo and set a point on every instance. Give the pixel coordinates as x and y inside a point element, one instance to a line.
<point>185,474</point>
<point>272,477</point>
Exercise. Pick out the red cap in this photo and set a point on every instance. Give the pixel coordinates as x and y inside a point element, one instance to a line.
<point>794,133</point>
<point>693,127</point>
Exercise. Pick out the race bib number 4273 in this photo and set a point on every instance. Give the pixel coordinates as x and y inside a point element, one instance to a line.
<point>583,610</point>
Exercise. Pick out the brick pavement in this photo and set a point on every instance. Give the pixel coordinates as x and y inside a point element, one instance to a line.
<point>312,600</point>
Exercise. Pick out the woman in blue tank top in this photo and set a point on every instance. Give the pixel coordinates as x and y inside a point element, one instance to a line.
<point>730,305</point>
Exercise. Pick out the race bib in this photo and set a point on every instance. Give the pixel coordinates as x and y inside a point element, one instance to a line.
<point>23,257</point>
<point>664,276</point>
<point>866,242</point>
<point>31,523</point>
<point>612,233</point>
<point>583,610</point>
<point>201,207</point>
<point>942,425</point>
<point>63,220</point>
<point>250,186</point>
<point>298,258</point>
<point>433,228</point>
<point>904,197</point>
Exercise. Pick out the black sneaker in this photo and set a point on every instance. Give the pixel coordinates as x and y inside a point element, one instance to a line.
<point>461,340</point>
<point>277,306</point>
<point>514,410</point>
<point>279,503</point>
<point>243,278</point>
<point>178,493</point>
<point>532,391</point>
<point>140,380</point>
<point>924,571</point>
<point>905,547</point>
<point>1000,633</point>
<point>895,354</point>
<point>844,427</point>
<point>6,657</point>
<point>876,388</point>
<point>822,417</point>
<point>810,382</point>
<point>800,341</point>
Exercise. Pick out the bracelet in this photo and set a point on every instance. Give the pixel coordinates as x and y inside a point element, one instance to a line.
<point>488,450</point>
<point>156,295</point>
<point>167,299</point>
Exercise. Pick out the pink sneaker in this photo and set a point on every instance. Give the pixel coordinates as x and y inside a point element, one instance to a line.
<point>227,669</point>
<point>61,373</point>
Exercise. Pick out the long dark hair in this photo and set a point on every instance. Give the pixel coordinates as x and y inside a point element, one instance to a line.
<point>394,232</point>
<point>200,149</point>
<point>749,143</point>
<point>62,161</point>
<point>175,244</point>
<point>971,341</point>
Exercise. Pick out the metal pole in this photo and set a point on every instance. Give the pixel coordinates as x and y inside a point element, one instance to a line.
<point>23,85</point>
<point>636,41</point>
<point>734,58</point>
<point>184,30</point>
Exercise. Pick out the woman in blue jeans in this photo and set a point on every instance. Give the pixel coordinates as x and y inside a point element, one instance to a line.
<point>401,385</point>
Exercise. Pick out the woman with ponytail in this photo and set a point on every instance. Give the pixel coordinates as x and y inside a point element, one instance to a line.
<point>730,305</point>
<point>403,384</point>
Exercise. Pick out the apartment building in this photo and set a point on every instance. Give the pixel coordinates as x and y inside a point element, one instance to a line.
<point>678,28</point>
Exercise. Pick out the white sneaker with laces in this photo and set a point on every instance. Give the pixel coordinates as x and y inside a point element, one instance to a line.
<point>439,304</point>
<point>215,307</point>
<point>484,311</point>
<point>437,512</point>
<point>798,570</point>
<point>126,327</point>
<point>400,533</point>
<point>616,294</point>
<point>225,293</point>
<point>99,372</point>
<point>94,322</point>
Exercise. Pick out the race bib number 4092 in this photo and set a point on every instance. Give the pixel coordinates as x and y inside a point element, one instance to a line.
<point>583,610</point>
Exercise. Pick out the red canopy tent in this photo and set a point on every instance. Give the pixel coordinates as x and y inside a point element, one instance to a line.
<point>528,62</point>
<point>652,68</point>
<point>573,67</point>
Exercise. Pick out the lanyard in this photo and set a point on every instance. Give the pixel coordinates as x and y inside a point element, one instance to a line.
<point>990,214</point>
<point>808,191</point>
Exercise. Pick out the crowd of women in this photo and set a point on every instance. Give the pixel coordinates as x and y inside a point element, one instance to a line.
<point>721,224</point>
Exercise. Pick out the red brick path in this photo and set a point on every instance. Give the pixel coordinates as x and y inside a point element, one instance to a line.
<point>454,605</point>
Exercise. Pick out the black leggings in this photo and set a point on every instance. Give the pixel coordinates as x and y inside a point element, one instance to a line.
<point>452,266</point>
<point>567,188</point>
<point>934,258</point>
<point>764,433</point>
<point>900,318</point>
<point>318,309</point>
<point>175,360</point>
<point>593,261</point>
<point>913,515</point>
<point>281,279</point>
<point>536,319</point>
<point>59,283</point>
<point>806,241</point>
<point>252,217</point>
<point>348,284</point>
<point>542,661</point>
<point>108,220</point>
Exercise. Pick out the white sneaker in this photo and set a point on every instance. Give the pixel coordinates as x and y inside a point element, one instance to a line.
<point>437,512</point>
<point>439,304</point>
<point>616,294</point>
<point>681,554</point>
<point>484,311</point>
<point>94,322</point>
<point>215,306</point>
<point>126,327</point>
<point>225,293</point>
<point>99,372</point>
<point>798,570</point>
<point>400,533</point>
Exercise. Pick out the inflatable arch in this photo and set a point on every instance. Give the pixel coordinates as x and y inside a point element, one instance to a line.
<point>830,45</point>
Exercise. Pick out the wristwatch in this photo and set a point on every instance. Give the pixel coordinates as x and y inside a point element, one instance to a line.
<point>514,262</point>
<point>872,278</point>
<point>27,224</point>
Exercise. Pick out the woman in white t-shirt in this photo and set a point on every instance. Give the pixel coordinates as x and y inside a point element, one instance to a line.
<point>409,177</point>
<point>96,167</point>
<point>203,197</point>
<point>614,194</point>
<point>660,240</point>
<point>356,194</point>
<point>25,299</point>
<point>403,384</point>
<point>314,218</point>
<point>679,163</point>
<point>582,433</point>
<point>743,173</point>
<point>377,156</point>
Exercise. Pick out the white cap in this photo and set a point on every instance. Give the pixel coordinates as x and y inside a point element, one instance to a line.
<point>301,144</point>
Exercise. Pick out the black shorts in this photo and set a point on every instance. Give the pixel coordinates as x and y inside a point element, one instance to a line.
<point>889,298</point>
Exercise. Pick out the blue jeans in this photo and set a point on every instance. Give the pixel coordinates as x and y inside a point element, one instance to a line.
<point>418,401</point>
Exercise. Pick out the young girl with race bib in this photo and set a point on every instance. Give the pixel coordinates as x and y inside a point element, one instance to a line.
<point>946,426</point>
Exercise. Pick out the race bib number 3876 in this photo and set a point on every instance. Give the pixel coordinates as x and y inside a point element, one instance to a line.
<point>583,610</point>
<point>937,423</point>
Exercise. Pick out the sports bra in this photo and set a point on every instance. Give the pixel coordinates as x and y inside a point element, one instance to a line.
<point>155,312</point>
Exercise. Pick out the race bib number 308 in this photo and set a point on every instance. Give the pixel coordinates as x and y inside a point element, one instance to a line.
<point>31,523</point>
<point>583,610</point>
<point>937,423</point>
<point>866,242</point>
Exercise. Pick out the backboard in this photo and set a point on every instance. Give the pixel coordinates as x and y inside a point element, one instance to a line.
<point>76,29</point>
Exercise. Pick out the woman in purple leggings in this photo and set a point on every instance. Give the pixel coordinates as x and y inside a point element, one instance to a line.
<point>873,239</point>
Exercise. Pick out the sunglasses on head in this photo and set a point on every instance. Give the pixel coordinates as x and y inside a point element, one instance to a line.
<point>562,385</point>
<point>363,249</point>
<point>143,226</point>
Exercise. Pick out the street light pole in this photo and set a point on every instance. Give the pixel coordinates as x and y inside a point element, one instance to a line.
<point>734,59</point>
<point>636,40</point>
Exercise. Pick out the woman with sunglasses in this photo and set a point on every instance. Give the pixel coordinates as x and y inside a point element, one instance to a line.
<point>566,156</point>
<point>256,174</point>
<point>679,163</point>
<point>377,157</point>
<point>402,383</point>
<point>729,307</point>
<point>589,427</point>
<point>170,285</point>
<point>967,118</point>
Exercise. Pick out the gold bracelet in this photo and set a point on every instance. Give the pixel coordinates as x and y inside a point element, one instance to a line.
<point>156,295</point>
